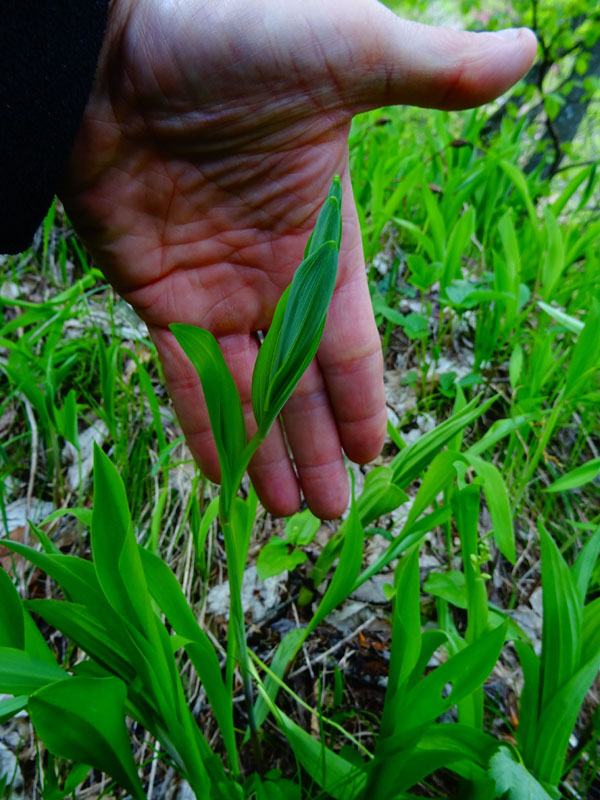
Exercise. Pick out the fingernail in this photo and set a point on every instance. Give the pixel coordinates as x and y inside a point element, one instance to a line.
<point>509,34</point>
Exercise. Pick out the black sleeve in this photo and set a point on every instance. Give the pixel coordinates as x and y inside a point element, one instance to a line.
<point>48,55</point>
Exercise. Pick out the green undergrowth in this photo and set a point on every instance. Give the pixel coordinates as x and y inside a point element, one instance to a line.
<point>485,281</point>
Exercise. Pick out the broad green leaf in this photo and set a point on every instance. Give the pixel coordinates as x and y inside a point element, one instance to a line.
<point>590,631</point>
<point>92,726</point>
<point>12,706</point>
<point>431,640</point>
<point>561,631</point>
<point>554,262</point>
<point>301,528</point>
<point>529,701</point>
<point>465,672</point>
<point>35,644</point>
<point>438,476</point>
<point>512,777</point>
<point>520,182</point>
<point>450,586</point>
<point>585,563</point>
<point>404,540</point>
<point>498,504</point>
<point>515,366</point>
<point>21,673</point>
<point>380,495</point>
<point>458,241</point>
<point>336,776</point>
<point>557,720</point>
<point>277,556</point>
<point>571,323</point>
<point>497,431</point>
<point>221,396</point>
<point>585,358</point>
<point>299,318</point>
<point>294,335</point>
<point>76,576</point>
<point>346,573</point>
<point>439,745</point>
<point>411,461</point>
<point>328,227</point>
<point>436,223</point>
<point>86,630</point>
<point>168,595</point>
<point>406,638</point>
<point>116,555</point>
<point>12,625</point>
<point>406,622</point>
<point>576,477</point>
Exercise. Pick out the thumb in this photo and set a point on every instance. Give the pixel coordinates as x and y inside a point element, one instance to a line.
<point>410,63</point>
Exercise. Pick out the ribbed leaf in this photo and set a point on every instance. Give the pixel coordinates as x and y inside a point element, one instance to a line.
<point>338,777</point>
<point>438,746</point>
<point>557,720</point>
<point>529,701</point>
<point>92,726</point>
<point>21,673</point>
<point>297,333</point>
<point>576,477</point>
<point>498,503</point>
<point>561,631</point>
<point>299,319</point>
<point>12,626</point>
<point>221,396</point>
<point>465,671</point>
<point>406,637</point>
<point>168,594</point>
<point>116,558</point>
<point>413,459</point>
<point>585,563</point>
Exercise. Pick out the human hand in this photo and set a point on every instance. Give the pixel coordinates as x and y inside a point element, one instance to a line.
<point>205,152</point>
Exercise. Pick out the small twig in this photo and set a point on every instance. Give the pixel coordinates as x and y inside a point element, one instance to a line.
<point>337,645</point>
<point>152,776</point>
<point>304,650</point>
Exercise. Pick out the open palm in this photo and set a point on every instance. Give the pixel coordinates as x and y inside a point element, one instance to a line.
<point>205,152</point>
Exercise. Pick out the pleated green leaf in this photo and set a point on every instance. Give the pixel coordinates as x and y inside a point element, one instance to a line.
<point>12,706</point>
<point>21,673</point>
<point>299,319</point>
<point>406,637</point>
<point>498,504</point>
<point>339,778</point>
<point>167,593</point>
<point>295,334</point>
<point>576,477</point>
<point>439,746</point>
<point>92,726</point>
<point>411,461</point>
<point>346,572</point>
<point>561,631</point>
<point>12,625</point>
<point>221,396</point>
<point>591,631</point>
<point>465,672</point>
<point>116,559</point>
<point>329,223</point>
<point>88,632</point>
<point>585,563</point>
<point>557,720</point>
<point>529,701</point>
